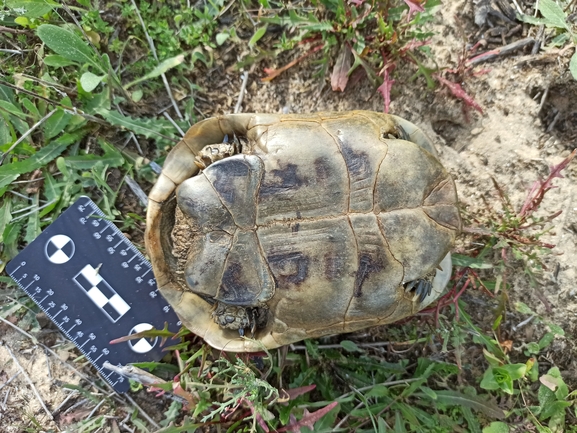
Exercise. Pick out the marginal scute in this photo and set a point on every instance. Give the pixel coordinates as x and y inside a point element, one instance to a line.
<point>445,215</point>
<point>443,193</point>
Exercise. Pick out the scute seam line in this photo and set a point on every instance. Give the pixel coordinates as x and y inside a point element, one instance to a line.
<point>336,140</point>
<point>358,264</point>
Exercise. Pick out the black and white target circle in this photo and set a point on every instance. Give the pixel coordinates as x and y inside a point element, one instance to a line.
<point>142,345</point>
<point>59,249</point>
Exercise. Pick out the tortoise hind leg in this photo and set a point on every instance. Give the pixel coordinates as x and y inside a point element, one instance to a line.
<point>239,318</point>
<point>421,287</point>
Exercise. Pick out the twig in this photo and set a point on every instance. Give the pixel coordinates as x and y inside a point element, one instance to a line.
<point>241,93</point>
<point>10,380</point>
<point>136,142</point>
<point>9,51</point>
<point>68,397</point>
<point>523,323</point>
<point>538,38</point>
<point>100,403</point>
<point>30,383</point>
<point>347,416</point>
<point>34,210</point>
<point>23,196</point>
<point>28,181</point>
<point>26,134</point>
<point>75,405</point>
<point>517,6</point>
<point>4,29</point>
<point>390,383</point>
<point>171,120</point>
<point>554,122</point>
<point>367,345</point>
<point>543,99</point>
<point>5,399</point>
<point>48,365</point>
<point>153,49</point>
<point>501,51</point>
<point>137,190</point>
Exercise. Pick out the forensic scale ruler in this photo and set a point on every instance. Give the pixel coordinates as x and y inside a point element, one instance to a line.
<point>94,284</point>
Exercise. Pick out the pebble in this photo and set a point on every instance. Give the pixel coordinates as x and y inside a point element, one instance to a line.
<point>476,131</point>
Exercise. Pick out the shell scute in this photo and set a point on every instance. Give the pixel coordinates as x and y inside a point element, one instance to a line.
<point>361,147</point>
<point>236,180</point>
<point>246,280</point>
<point>305,176</point>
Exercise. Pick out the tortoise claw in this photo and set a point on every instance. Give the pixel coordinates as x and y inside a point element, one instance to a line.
<point>422,288</point>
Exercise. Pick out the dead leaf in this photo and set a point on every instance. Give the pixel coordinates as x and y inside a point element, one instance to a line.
<point>271,74</point>
<point>340,74</point>
<point>507,345</point>
<point>549,381</point>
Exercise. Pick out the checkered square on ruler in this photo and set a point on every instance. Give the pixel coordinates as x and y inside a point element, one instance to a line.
<point>101,293</point>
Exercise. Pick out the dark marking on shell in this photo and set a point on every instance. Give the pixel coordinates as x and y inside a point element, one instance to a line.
<point>357,161</point>
<point>233,289</point>
<point>223,181</point>
<point>334,263</point>
<point>322,170</point>
<point>295,228</point>
<point>285,179</point>
<point>289,268</point>
<point>367,266</point>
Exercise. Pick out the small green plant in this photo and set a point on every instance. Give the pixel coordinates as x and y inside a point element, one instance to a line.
<point>373,37</point>
<point>515,235</point>
<point>556,16</point>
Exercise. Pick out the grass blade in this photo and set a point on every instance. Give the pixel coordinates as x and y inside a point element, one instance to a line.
<point>10,172</point>
<point>455,398</point>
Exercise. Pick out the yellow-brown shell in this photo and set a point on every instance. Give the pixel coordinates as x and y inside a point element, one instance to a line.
<point>322,218</point>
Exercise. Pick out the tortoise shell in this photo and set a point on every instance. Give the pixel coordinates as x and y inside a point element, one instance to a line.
<point>320,224</point>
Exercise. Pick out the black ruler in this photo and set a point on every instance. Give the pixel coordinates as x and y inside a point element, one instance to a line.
<point>94,284</point>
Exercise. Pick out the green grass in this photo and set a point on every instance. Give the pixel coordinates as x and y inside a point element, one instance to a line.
<point>80,112</point>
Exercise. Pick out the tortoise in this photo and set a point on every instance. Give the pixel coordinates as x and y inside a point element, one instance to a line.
<point>294,226</point>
